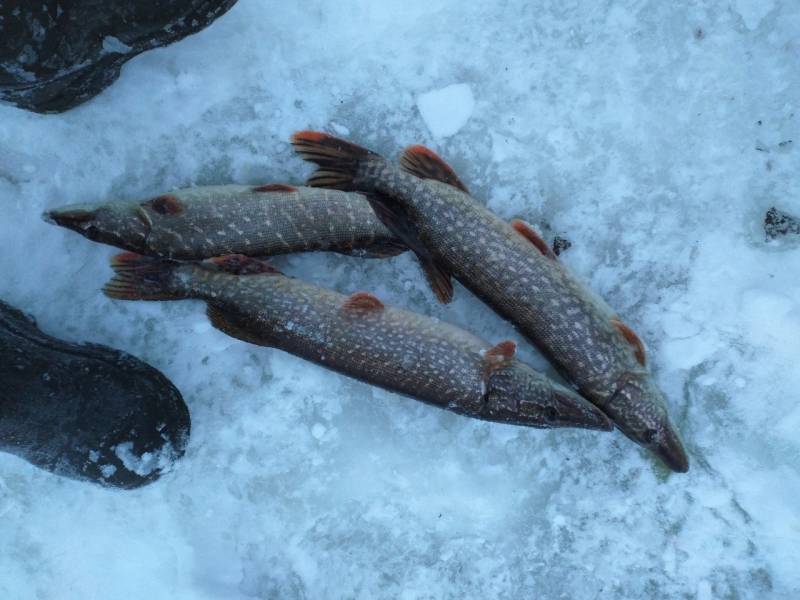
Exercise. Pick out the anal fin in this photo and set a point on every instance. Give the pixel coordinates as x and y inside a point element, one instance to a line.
<point>439,279</point>
<point>395,219</point>
<point>231,326</point>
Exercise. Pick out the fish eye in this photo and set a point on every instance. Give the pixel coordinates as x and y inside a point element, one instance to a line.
<point>649,436</point>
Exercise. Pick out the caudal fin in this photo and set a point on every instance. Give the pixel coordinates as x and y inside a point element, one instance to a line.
<point>338,160</point>
<point>142,278</point>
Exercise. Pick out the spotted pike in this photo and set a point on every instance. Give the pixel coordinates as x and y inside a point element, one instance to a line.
<point>510,268</point>
<point>202,222</point>
<point>358,336</point>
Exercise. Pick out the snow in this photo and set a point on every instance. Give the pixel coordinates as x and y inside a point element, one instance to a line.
<point>631,130</point>
<point>446,110</point>
<point>113,45</point>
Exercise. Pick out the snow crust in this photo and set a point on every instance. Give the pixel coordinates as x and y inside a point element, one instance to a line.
<point>650,134</point>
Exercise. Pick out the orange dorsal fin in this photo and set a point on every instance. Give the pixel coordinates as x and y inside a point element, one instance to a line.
<point>166,204</point>
<point>500,353</point>
<point>426,164</point>
<point>275,187</point>
<point>362,302</point>
<point>529,233</point>
<point>238,264</point>
<point>632,339</point>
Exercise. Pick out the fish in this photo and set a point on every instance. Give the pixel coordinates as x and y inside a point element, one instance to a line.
<point>266,220</point>
<point>510,268</point>
<point>360,337</point>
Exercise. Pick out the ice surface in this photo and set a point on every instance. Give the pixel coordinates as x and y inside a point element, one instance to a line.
<point>447,110</point>
<point>647,133</point>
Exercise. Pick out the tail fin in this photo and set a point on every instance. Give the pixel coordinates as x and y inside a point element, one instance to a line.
<point>142,278</point>
<point>338,160</point>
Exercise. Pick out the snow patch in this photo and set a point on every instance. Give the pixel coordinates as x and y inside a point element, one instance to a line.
<point>446,110</point>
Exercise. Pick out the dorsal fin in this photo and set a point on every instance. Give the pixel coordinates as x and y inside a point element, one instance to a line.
<point>426,164</point>
<point>238,264</point>
<point>529,233</point>
<point>395,220</point>
<point>166,204</point>
<point>275,187</point>
<point>362,302</point>
<point>633,339</point>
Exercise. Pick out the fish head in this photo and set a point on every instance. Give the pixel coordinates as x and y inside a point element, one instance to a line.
<point>639,411</point>
<point>529,397</point>
<point>124,225</point>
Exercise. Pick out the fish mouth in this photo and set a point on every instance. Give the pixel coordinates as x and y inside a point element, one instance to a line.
<point>104,225</point>
<point>77,219</point>
<point>575,411</point>
<point>671,451</point>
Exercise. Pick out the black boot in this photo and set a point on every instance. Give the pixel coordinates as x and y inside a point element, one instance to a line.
<point>55,54</point>
<point>85,411</point>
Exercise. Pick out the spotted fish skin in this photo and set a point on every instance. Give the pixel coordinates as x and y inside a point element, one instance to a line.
<point>512,271</point>
<point>202,222</point>
<point>358,336</point>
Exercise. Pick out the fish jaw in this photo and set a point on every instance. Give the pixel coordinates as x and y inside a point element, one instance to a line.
<point>572,410</point>
<point>639,411</point>
<point>122,226</point>
<point>529,398</point>
<point>670,450</point>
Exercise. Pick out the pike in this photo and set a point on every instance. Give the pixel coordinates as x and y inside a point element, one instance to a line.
<point>510,268</point>
<point>202,222</point>
<point>358,336</point>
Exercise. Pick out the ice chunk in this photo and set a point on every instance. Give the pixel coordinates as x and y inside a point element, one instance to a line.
<point>446,110</point>
<point>753,11</point>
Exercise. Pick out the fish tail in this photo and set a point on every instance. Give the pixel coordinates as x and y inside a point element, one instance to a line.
<point>143,278</point>
<point>339,161</point>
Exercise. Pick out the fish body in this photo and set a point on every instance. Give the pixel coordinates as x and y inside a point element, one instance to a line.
<point>358,336</point>
<point>202,222</point>
<point>510,268</point>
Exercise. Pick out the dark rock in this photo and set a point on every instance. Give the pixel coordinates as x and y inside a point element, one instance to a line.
<point>56,54</point>
<point>560,245</point>
<point>778,223</point>
<point>85,411</point>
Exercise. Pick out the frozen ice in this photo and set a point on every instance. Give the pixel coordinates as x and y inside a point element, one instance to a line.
<point>446,110</point>
<point>753,11</point>
<point>647,133</point>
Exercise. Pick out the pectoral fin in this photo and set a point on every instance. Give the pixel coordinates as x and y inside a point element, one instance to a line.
<point>166,204</point>
<point>275,187</point>
<point>529,233</point>
<point>362,302</point>
<point>499,354</point>
<point>633,339</point>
